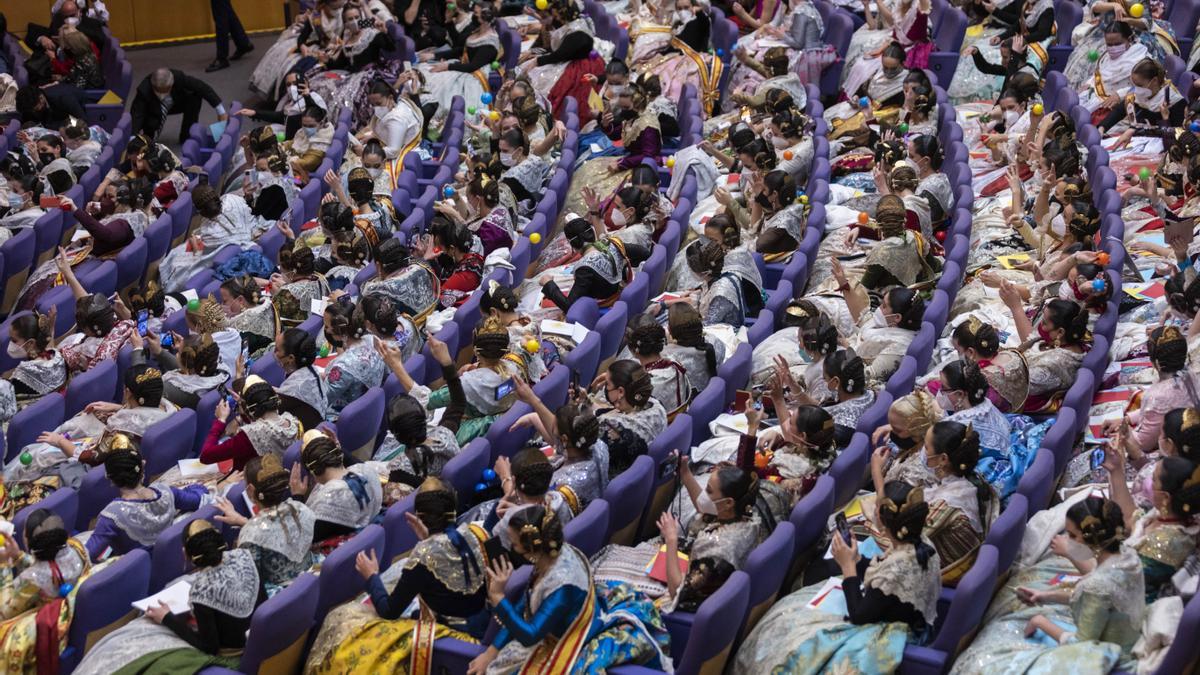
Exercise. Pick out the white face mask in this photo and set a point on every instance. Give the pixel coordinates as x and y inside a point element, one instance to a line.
<point>381,111</point>
<point>879,318</point>
<point>1115,51</point>
<point>1058,225</point>
<point>1065,292</point>
<point>1143,92</point>
<point>1011,117</point>
<point>683,16</point>
<point>309,131</point>
<point>705,504</point>
<point>507,159</point>
<point>375,172</point>
<point>15,351</point>
<point>618,218</point>
<point>943,401</point>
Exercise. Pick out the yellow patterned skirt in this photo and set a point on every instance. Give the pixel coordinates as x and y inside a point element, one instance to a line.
<point>354,639</point>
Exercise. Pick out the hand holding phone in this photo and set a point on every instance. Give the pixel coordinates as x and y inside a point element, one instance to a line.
<point>142,317</point>
<point>495,550</point>
<point>843,527</point>
<point>504,389</point>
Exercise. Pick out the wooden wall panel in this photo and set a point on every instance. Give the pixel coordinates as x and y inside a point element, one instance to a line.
<point>152,20</point>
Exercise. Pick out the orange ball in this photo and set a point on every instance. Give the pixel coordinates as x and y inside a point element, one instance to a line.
<point>787,154</point>
<point>863,218</point>
<point>1102,258</point>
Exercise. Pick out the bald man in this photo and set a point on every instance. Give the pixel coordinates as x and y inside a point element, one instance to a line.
<point>171,92</point>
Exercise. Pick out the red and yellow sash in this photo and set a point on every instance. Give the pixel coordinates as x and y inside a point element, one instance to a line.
<point>710,75</point>
<point>555,657</point>
<point>424,633</point>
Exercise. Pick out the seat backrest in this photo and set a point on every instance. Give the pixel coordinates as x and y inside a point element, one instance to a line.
<point>767,565</point>
<point>1006,532</point>
<point>279,629</point>
<point>611,327</point>
<point>168,441</point>
<point>711,639</point>
<point>168,560</point>
<point>64,502</point>
<point>588,531</point>
<point>736,370</point>
<point>464,471</point>
<point>1038,481</point>
<point>627,495</point>
<point>971,599</point>
<point>705,408</point>
<point>103,601</point>
<point>44,414</point>
<point>339,581</point>
<point>811,513</point>
<point>848,469</point>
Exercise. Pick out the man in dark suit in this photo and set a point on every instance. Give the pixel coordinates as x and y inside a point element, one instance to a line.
<point>171,92</point>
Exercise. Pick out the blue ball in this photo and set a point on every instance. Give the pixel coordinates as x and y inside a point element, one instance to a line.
<point>489,475</point>
<point>65,589</point>
<point>1195,127</point>
<point>486,98</point>
<point>480,487</point>
<point>864,102</point>
<point>1098,285</point>
<point>720,52</point>
<point>448,192</point>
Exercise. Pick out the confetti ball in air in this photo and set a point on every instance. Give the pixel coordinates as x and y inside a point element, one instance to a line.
<point>1144,173</point>
<point>535,238</point>
<point>1137,10</point>
<point>1038,109</point>
<point>448,192</point>
<point>1093,56</point>
<point>671,162</point>
<point>324,351</point>
<point>532,346</point>
<point>541,4</point>
<point>1102,258</point>
<point>864,102</point>
<point>902,127</point>
<point>489,475</point>
<point>495,65</point>
<point>787,154</point>
<point>493,115</point>
<point>486,98</point>
<point>863,217</point>
<point>471,110</point>
<point>193,304</point>
<point>26,458</point>
<point>65,589</point>
<point>480,487</point>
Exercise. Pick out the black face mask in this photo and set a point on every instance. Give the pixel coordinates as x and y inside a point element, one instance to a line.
<point>335,342</point>
<point>517,559</point>
<point>764,201</point>
<point>46,158</point>
<point>626,115</point>
<point>901,442</point>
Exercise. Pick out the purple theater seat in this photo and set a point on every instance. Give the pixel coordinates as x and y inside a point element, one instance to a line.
<point>131,264</point>
<point>971,599</point>
<point>267,367</point>
<point>552,390</point>
<point>1038,482</point>
<point>47,233</point>
<point>585,358</point>
<point>399,537</point>
<point>676,438</point>
<point>611,327</point>
<point>809,517</point>
<point>168,558</point>
<point>901,381</point>
<point>339,581</point>
<point>761,328</point>
<point>206,410</point>
<point>44,414</point>
<point>705,408</point>
<point>1079,397</point>
<point>588,530</point>
<point>736,370</point>
<point>767,566</point>
<point>838,31</point>
<point>95,492</point>
<point>937,310</point>
<point>707,646</point>
<point>1096,360</point>
<point>63,502</point>
<point>921,348</point>
<point>655,270</point>
<point>584,311</point>
<point>948,40</point>
<point>1183,655</point>
<point>359,423</point>
<point>1006,532</point>
<point>875,416</point>
<point>94,384</point>
<point>1060,439</point>
<point>280,627</point>
<point>168,441</point>
<point>849,468</point>
<point>506,443</point>
<point>463,470</point>
<point>103,604</point>
<point>627,494</point>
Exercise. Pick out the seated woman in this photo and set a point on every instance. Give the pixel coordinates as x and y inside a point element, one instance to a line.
<point>1005,369</point>
<point>356,367</point>
<point>552,621</point>
<point>472,50</point>
<point>186,378</point>
<point>1174,389</point>
<point>803,448</point>
<point>775,215</point>
<point>225,590</point>
<point>387,325</point>
<point>524,173</point>
<point>798,351</point>
<point>908,420</point>
<point>574,431</point>
<point>296,284</point>
<point>1092,625</point>
<point>415,446</point>
<point>634,419</point>
<point>250,313</point>
<point>259,430</point>
<point>210,318</point>
<point>845,377</point>
<point>342,500</point>
<point>646,341</point>
<point>690,348</point>
<point>459,267</point>
<point>445,573</point>
<point>295,351</point>
<point>890,601</point>
<point>1101,82</point>
<point>526,481</point>
<point>369,213</point>
<point>884,90</point>
<point>495,223</point>
<point>102,332</point>
<point>721,298</point>
<point>40,368</point>
<point>962,395</point>
<point>224,221</point>
<point>606,264</point>
<point>1054,356</point>
<point>69,449</point>
<point>408,282</point>
<point>884,335</point>
<point>307,148</point>
<point>523,332</point>
<point>280,533</point>
<point>39,583</point>
<point>902,257</point>
<point>680,53</point>
<point>397,121</point>
<point>136,517</point>
<point>483,380</point>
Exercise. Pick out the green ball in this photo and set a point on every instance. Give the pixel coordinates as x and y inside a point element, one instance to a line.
<point>324,351</point>
<point>1093,55</point>
<point>193,304</point>
<point>450,6</point>
<point>26,458</point>
<point>471,110</point>
<point>1144,173</point>
<point>902,127</point>
<point>495,65</point>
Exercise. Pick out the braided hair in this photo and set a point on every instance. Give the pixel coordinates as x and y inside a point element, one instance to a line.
<point>579,425</point>
<point>203,543</point>
<point>1101,523</point>
<point>646,336</point>
<point>46,534</point>
<point>726,232</point>
<point>965,376</point>
<point>902,511</point>
<point>123,467</point>
<point>538,530</point>
<point>435,504</point>
<point>633,378</point>
<point>200,355</point>
<point>380,311</point>
<point>687,329</point>
<point>1168,349</point>
<point>345,321</point>
<point>739,485</point>
<point>1181,428</point>
<point>95,314</point>
<point>849,369</point>
<point>974,334</point>
<point>145,383</point>
<point>532,472</point>
<point>320,452</point>
<point>258,397</point>
<point>269,479</point>
<point>960,444</point>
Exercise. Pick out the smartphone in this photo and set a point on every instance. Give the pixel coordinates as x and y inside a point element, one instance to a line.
<point>231,401</point>
<point>668,468</point>
<point>50,202</point>
<point>1097,458</point>
<point>142,316</point>
<point>504,389</point>
<point>843,527</point>
<point>167,341</point>
<point>366,22</point>
<point>741,400</point>
<point>495,550</point>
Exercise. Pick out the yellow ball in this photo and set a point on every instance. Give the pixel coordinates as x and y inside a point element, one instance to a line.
<point>532,345</point>
<point>535,238</point>
<point>1038,109</point>
<point>493,115</point>
<point>671,162</point>
<point>541,5</point>
<point>803,199</point>
<point>1137,10</point>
